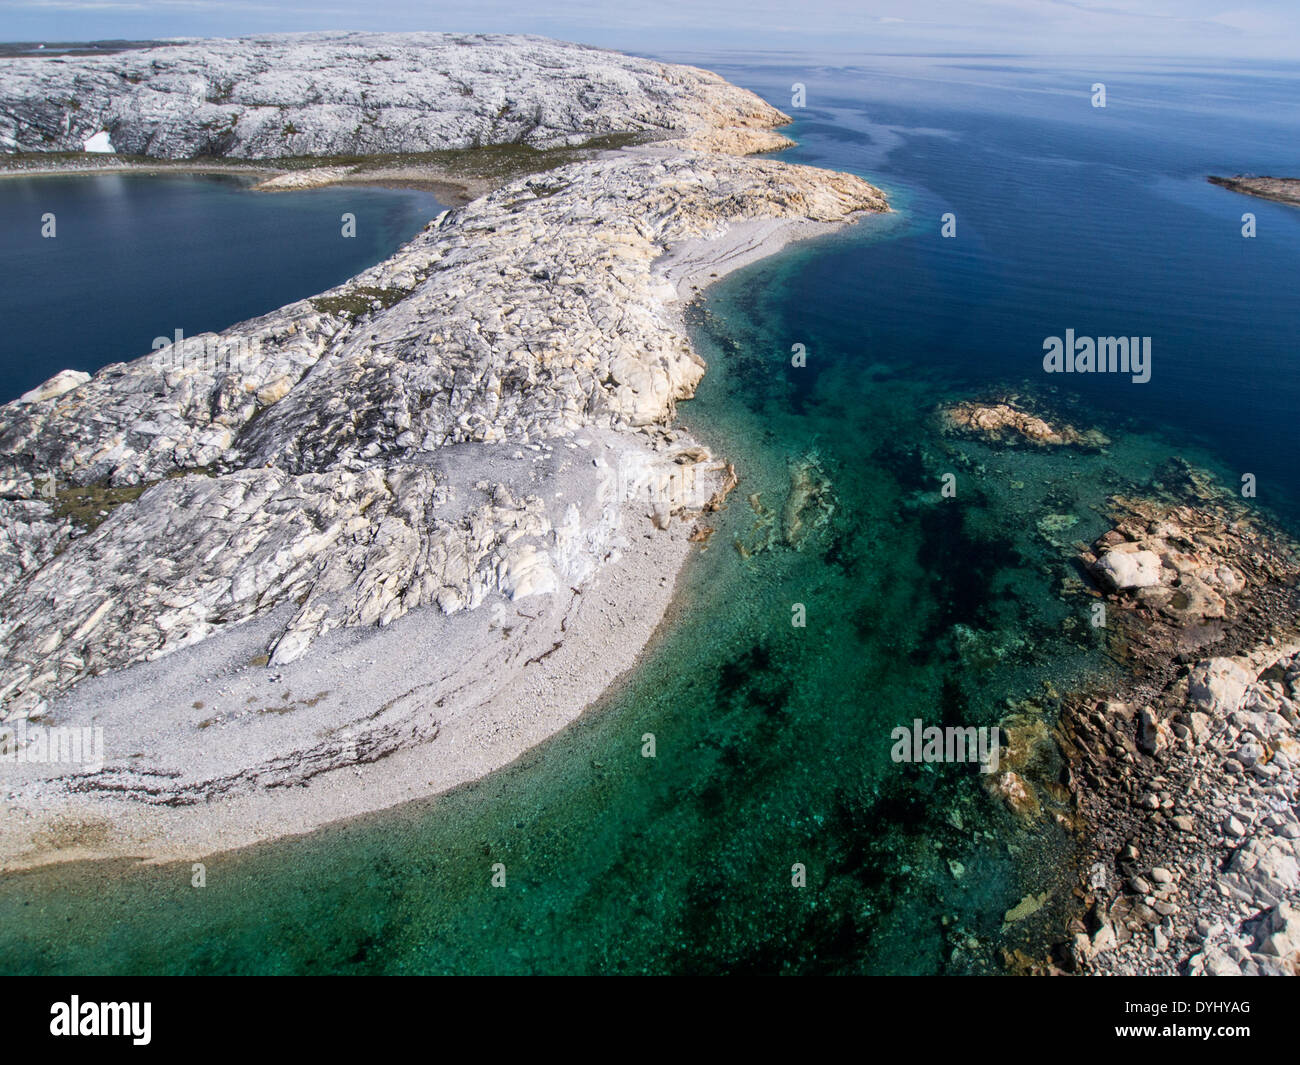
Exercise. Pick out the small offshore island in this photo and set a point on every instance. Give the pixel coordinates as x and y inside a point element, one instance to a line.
<point>382,541</point>
<point>1283,190</point>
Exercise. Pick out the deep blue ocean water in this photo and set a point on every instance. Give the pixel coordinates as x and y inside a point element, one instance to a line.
<point>136,256</point>
<point>774,741</point>
<point>1070,216</point>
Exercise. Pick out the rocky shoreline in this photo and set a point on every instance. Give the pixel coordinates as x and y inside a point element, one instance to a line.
<point>455,176</point>
<point>451,185</point>
<point>1187,778</point>
<point>1181,781</point>
<point>471,444</point>
<point>1189,795</point>
<point>1283,190</point>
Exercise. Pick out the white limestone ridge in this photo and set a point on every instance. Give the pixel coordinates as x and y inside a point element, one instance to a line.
<point>355,94</point>
<point>476,416</point>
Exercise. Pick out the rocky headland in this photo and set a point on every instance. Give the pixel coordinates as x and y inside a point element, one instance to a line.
<point>363,94</point>
<point>1283,190</point>
<point>381,541</point>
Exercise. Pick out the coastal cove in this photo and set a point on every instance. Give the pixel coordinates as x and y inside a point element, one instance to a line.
<point>771,740</point>
<point>136,256</point>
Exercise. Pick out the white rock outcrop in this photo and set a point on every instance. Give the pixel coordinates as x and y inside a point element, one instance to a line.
<point>471,416</point>
<point>1218,685</point>
<point>61,382</point>
<point>320,94</point>
<point>1129,569</point>
<point>100,144</point>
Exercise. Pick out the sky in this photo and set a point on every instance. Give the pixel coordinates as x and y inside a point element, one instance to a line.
<point>1265,29</point>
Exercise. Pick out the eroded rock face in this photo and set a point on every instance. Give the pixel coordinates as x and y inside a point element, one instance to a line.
<point>471,416</point>
<point>322,94</point>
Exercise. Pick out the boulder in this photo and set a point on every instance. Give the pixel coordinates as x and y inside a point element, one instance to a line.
<point>1123,570</point>
<point>1218,686</point>
<point>61,382</point>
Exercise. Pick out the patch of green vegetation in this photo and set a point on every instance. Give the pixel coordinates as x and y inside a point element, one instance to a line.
<point>500,161</point>
<point>22,161</point>
<point>494,164</point>
<point>89,505</point>
<point>360,301</point>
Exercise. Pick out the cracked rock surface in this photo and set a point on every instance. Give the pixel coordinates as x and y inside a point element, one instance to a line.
<point>333,458</point>
<point>466,451</point>
<point>324,94</point>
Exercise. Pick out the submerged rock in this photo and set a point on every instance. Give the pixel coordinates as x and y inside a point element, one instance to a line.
<point>1005,422</point>
<point>808,508</point>
<point>810,504</point>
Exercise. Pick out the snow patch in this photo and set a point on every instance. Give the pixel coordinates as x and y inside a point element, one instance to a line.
<point>100,143</point>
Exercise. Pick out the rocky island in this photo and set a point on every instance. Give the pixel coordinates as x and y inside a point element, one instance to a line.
<point>379,542</point>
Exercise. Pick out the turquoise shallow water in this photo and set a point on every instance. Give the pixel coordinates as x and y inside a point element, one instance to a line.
<point>773,742</point>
